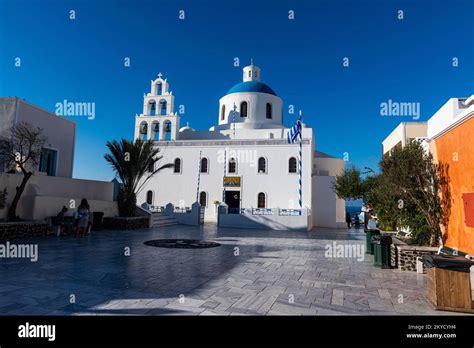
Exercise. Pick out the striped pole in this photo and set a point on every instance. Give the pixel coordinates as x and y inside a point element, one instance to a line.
<point>225,170</point>
<point>199,176</point>
<point>300,200</point>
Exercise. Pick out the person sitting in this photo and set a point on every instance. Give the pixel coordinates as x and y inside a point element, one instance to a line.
<point>59,222</point>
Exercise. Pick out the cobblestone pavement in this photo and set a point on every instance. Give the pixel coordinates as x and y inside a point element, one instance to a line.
<point>251,273</point>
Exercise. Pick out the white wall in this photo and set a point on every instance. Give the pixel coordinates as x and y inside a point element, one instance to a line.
<point>57,192</point>
<point>402,133</point>
<point>328,210</point>
<point>256,109</point>
<point>273,222</point>
<point>280,187</point>
<point>60,132</point>
<point>41,207</point>
<point>448,115</point>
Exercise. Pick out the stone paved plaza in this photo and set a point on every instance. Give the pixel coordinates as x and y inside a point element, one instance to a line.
<point>273,273</point>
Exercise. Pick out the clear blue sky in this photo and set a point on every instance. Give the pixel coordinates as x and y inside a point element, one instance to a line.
<point>82,60</point>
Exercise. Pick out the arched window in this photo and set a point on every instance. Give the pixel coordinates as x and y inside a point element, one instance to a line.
<point>232,166</point>
<point>222,112</point>
<point>155,128</point>
<point>149,197</point>
<point>203,199</point>
<point>204,165</point>
<point>152,107</point>
<point>292,167</point>
<point>159,89</point>
<point>144,131</point>
<point>167,129</point>
<point>243,109</point>
<point>262,165</point>
<point>269,110</point>
<point>177,165</point>
<point>163,107</point>
<point>261,200</point>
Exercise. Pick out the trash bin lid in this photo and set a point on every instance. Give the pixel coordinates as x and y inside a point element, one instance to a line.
<point>453,263</point>
<point>385,239</point>
<point>375,239</point>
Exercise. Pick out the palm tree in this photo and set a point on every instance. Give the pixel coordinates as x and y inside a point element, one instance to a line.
<point>134,163</point>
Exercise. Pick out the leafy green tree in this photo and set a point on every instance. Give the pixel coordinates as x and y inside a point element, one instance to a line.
<point>135,163</point>
<point>420,184</point>
<point>349,184</point>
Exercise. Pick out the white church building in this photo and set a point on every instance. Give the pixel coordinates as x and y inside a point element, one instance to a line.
<point>242,171</point>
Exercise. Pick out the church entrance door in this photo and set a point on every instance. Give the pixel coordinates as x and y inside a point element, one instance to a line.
<point>232,199</point>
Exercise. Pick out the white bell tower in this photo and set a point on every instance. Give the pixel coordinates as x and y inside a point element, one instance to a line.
<point>158,121</point>
<point>251,73</point>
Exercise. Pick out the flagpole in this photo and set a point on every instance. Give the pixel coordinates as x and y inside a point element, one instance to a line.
<point>223,178</point>
<point>300,201</point>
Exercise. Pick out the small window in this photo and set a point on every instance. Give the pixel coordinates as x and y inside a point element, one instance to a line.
<point>149,197</point>
<point>47,162</point>
<point>223,112</point>
<point>203,199</point>
<point>269,110</point>
<point>204,165</point>
<point>243,109</point>
<point>159,89</point>
<point>292,165</point>
<point>177,165</point>
<point>232,166</point>
<point>262,165</point>
<point>250,73</point>
<point>261,201</point>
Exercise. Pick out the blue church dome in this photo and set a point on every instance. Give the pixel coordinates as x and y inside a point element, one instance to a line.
<point>251,86</point>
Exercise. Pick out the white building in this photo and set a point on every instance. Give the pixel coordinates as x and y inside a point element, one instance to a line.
<point>51,185</point>
<point>244,161</point>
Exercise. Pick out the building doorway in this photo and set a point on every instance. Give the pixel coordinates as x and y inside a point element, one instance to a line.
<point>232,199</point>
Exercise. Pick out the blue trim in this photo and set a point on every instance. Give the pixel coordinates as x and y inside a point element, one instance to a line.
<point>251,86</point>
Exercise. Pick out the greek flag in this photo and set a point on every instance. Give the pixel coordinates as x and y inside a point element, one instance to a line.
<point>293,133</point>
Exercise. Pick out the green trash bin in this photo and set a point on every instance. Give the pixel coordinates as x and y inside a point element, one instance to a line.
<point>382,251</point>
<point>368,238</point>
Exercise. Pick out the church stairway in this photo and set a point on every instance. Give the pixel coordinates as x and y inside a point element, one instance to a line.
<point>161,219</point>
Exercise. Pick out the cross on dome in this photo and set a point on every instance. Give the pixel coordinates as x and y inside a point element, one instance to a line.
<point>160,75</point>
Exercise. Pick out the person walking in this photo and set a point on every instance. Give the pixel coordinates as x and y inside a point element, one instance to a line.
<point>356,221</point>
<point>348,220</point>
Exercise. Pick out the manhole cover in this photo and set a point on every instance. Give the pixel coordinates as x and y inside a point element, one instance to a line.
<point>182,243</point>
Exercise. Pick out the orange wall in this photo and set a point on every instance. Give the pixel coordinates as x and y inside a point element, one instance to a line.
<point>460,141</point>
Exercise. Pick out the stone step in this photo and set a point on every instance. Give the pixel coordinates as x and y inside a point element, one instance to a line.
<point>161,219</point>
<point>165,224</point>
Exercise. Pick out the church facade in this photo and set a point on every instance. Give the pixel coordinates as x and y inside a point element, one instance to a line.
<point>244,161</point>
